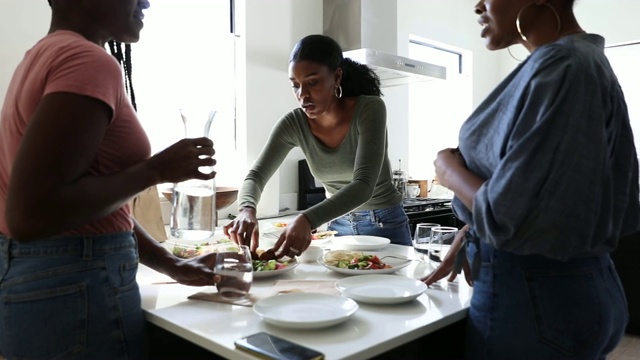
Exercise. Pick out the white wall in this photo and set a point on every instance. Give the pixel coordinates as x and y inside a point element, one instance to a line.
<point>453,23</point>
<point>615,20</point>
<point>22,24</point>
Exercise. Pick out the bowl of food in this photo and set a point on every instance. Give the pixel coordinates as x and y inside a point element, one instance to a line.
<point>186,249</point>
<point>360,263</point>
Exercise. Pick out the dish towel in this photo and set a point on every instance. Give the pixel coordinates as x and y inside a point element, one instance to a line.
<point>280,287</point>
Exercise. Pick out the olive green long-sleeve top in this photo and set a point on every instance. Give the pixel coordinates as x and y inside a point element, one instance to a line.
<point>356,175</point>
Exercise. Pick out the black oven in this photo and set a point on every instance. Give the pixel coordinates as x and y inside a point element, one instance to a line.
<point>428,210</point>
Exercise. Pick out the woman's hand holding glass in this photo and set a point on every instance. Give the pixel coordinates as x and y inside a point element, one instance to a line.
<point>235,268</point>
<point>197,271</point>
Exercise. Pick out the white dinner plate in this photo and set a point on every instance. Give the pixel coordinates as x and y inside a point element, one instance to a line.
<point>269,273</point>
<point>360,242</point>
<point>305,310</point>
<point>396,264</point>
<point>381,289</point>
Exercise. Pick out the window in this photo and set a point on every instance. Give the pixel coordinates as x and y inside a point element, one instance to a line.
<point>624,60</point>
<point>185,59</point>
<point>437,109</point>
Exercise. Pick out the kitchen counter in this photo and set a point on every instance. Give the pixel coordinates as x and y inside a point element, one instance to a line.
<point>373,330</point>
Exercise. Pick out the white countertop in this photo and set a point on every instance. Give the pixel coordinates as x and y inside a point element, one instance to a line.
<point>373,330</point>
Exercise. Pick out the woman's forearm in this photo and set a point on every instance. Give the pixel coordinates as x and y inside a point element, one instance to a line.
<point>464,184</point>
<point>152,253</point>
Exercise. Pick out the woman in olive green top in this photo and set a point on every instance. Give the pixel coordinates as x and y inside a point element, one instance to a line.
<point>341,128</point>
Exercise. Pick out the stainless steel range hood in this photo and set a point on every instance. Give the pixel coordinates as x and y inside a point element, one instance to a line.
<point>361,27</point>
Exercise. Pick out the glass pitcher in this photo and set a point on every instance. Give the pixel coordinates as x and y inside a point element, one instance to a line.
<point>193,202</point>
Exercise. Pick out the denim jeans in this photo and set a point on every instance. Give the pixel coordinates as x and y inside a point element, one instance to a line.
<point>391,223</point>
<point>71,297</point>
<point>531,307</point>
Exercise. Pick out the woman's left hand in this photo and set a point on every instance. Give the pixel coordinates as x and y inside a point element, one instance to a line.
<point>197,271</point>
<point>295,239</point>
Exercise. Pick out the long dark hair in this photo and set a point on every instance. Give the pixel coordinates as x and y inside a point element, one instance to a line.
<point>357,79</point>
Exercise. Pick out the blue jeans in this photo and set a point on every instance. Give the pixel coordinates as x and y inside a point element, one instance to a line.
<point>71,297</point>
<point>391,223</point>
<point>531,307</point>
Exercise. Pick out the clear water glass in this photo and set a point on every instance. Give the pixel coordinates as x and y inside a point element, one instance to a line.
<point>233,264</point>
<point>422,239</point>
<point>441,236</point>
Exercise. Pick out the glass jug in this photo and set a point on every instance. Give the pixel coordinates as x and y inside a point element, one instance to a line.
<point>193,202</point>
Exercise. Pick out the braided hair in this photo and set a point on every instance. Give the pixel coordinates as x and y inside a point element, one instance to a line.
<point>357,79</point>
<point>124,59</point>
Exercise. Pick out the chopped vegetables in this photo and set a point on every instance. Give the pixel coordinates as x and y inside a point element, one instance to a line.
<point>361,262</point>
<point>269,265</point>
<point>189,251</point>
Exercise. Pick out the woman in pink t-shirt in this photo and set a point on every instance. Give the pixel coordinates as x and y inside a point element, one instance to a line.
<point>72,155</point>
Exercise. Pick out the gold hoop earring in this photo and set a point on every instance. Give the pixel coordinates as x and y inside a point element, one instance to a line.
<point>338,91</point>
<point>522,36</point>
<point>513,57</point>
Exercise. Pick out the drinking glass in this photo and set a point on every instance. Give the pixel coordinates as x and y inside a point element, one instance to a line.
<point>441,235</point>
<point>422,238</point>
<point>233,264</point>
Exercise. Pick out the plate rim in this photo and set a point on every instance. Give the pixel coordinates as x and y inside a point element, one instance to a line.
<point>381,300</point>
<point>354,307</point>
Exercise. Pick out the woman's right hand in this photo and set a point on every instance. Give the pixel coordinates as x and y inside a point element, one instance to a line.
<point>244,229</point>
<point>182,160</point>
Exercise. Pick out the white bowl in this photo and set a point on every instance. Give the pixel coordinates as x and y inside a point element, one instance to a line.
<point>312,254</point>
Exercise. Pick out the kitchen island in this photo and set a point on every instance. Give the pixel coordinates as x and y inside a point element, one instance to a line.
<point>373,330</point>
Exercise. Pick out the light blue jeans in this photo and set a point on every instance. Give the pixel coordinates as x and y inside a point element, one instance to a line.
<point>531,307</point>
<point>71,297</point>
<point>391,223</point>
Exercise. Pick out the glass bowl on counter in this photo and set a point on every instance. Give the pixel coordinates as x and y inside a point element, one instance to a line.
<point>185,249</point>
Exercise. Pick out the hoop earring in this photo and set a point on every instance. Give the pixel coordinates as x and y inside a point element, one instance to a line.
<point>522,36</point>
<point>514,58</point>
<point>338,91</point>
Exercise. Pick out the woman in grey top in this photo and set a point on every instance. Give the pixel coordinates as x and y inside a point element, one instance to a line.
<point>341,128</point>
<point>546,177</point>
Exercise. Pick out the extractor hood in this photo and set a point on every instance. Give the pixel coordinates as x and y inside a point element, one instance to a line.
<point>363,28</point>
